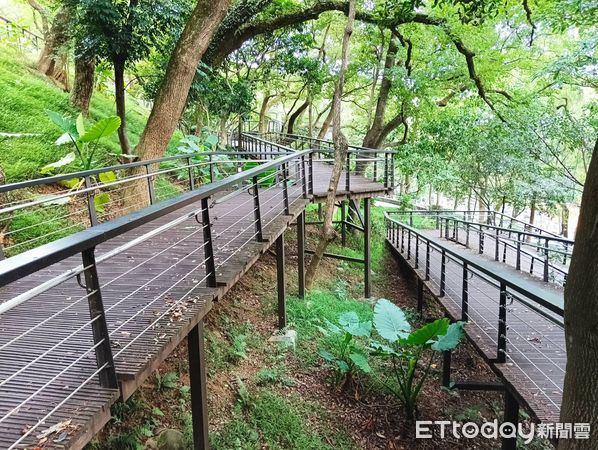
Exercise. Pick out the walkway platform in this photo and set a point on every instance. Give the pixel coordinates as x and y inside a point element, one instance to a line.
<point>154,292</point>
<point>535,356</point>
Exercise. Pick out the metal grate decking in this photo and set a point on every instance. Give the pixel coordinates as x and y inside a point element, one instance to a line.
<point>154,293</point>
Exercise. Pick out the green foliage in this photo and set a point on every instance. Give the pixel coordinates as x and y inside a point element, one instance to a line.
<point>84,141</point>
<point>343,352</point>
<point>407,349</point>
<point>25,98</point>
<point>37,226</point>
<point>167,381</point>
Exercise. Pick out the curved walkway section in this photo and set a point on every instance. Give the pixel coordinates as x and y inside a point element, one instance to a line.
<point>514,320</point>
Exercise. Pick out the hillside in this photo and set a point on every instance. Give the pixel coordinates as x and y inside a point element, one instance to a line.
<point>26,95</point>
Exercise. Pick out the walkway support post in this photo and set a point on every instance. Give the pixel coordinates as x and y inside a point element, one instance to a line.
<point>511,415</point>
<point>301,253</point>
<point>366,246</point>
<point>282,312</point>
<point>343,223</point>
<point>197,377</point>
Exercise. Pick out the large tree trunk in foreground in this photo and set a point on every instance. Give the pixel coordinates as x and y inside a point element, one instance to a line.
<point>85,68</point>
<point>341,147</point>
<point>119,91</point>
<point>580,396</point>
<point>172,96</point>
<point>53,58</point>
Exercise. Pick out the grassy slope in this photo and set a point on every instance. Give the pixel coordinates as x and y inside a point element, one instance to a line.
<point>25,97</point>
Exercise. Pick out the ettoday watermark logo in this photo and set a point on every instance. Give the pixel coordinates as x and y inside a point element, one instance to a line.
<point>424,429</point>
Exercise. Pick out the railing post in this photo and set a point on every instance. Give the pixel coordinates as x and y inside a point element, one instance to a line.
<point>208,244</point>
<point>427,259</point>
<point>481,241</point>
<point>402,239</point>
<point>501,355</point>
<point>343,223</point>
<point>285,190</point>
<point>420,295</point>
<point>303,177</point>
<point>375,166</point>
<point>465,294</point>
<point>408,243</point>
<point>410,218</point>
<point>91,206</point>
<point>518,256</point>
<point>442,274</point>
<point>417,251</point>
<point>211,163</point>
<point>496,246</point>
<point>257,215</point>
<point>392,170</point>
<point>311,173</point>
<point>191,177</point>
<point>150,185</point>
<point>99,326</point>
<point>546,260</point>
<point>386,170</point>
<point>511,416</point>
<point>348,173</point>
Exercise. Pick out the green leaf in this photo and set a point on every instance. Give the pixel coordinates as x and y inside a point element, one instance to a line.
<point>390,321</point>
<point>427,332</point>
<point>100,201</point>
<point>212,140</point>
<point>49,168</point>
<point>100,129</point>
<point>108,177</point>
<point>451,339</point>
<point>348,318</point>
<point>343,366</point>
<point>380,349</point>
<point>80,125</point>
<point>73,183</point>
<point>326,355</point>
<point>66,124</point>
<point>361,361</point>
<point>332,328</point>
<point>157,412</point>
<point>352,325</point>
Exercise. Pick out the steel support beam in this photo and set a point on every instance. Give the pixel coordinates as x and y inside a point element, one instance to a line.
<point>301,253</point>
<point>511,416</point>
<point>366,247</point>
<point>282,312</point>
<point>197,377</point>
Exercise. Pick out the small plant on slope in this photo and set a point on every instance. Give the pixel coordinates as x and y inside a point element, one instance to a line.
<point>411,353</point>
<point>345,354</point>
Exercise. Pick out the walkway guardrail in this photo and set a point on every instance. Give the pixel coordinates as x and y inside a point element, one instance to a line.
<point>542,255</point>
<point>379,165</point>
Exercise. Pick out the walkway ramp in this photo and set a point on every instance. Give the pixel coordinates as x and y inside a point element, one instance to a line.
<point>515,320</point>
<point>140,283</point>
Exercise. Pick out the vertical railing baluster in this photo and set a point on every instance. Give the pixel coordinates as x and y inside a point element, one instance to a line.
<point>546,260</point>
<point>501,355</point>
<point>518,255</point>
<point>208,244</point>
<point>191,175</point>
<point>99,326</point>
<point>311,173</point>
<point>303,177</point>
<point>408,243</point>
<point>150,184</point>
<point>496,245</point>
<point>91,206</point>
<point>427,259</point>
<point>442,274</point>
<point>257,215</point>
<point>285,191</point>
<point>348,173</point>
<point>416,251</point>
<point>465,294</point>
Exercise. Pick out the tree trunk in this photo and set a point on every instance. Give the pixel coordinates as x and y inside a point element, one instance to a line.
<point>200,112</point>
<point>223,135</point>
<point>532,212</point>
<point>341,147</point>
<point>172,96</point>
<point>325,125</point>
<point>53,58</point>
<point>119,91</point>
<point>580,395</point>
<point>295,116</point>
<point>84,80</point>
<point>262,124</point>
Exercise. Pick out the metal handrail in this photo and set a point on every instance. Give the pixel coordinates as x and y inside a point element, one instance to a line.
<point>547,299</point>
<point>38,258</point>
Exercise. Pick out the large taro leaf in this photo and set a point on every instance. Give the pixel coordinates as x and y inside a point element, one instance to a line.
<point>390,321</point>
